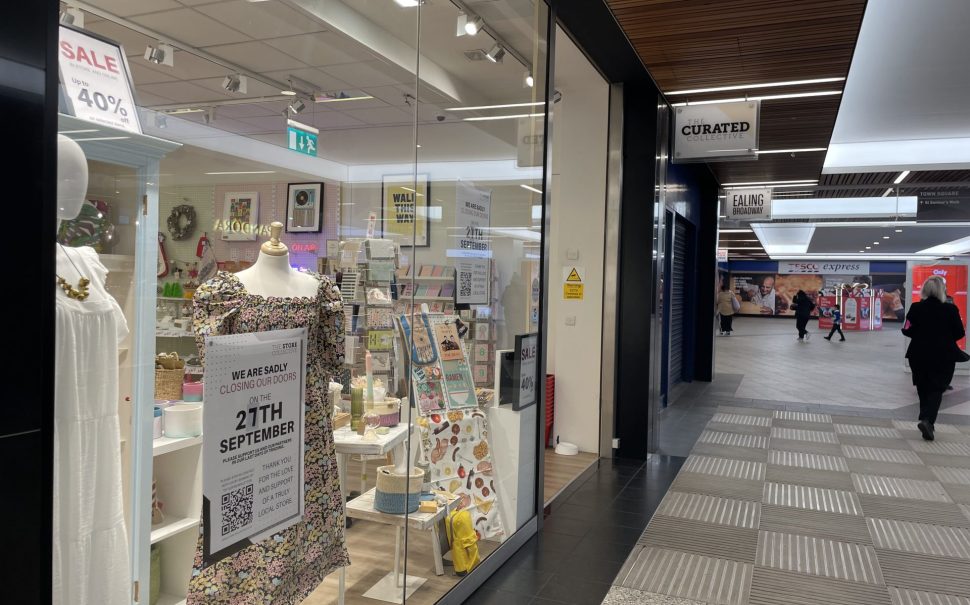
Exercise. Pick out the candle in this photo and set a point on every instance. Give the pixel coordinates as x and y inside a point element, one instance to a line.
<point>356,408</point>
<point>369,366</point>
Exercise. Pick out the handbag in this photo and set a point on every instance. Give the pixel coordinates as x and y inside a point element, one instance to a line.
<point>735,304</point>
<point>962,356</point>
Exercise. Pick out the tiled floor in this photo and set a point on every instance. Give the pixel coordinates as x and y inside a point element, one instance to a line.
<point>806,484</point>
<point>586,537</point>
<point>778,507</point>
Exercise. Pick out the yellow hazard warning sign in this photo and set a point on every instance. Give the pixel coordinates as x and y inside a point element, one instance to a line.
<point>573,286</point>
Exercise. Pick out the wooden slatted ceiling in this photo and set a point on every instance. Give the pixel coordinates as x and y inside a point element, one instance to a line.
<point>688,44</point>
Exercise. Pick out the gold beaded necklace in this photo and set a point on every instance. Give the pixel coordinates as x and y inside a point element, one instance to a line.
<point>81,291</point>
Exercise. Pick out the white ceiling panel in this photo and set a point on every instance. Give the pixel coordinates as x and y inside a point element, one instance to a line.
<point>379,116</point>
<point>128,8</point>
<point>249,111</point>
<point>256,56</point>
<point>191,27</point>
<point>182,92</point>
<point>142,74</point>
<point>330,119</point>
<point>147,99</point>
<point>369,73</point>
<point>187,66</point>
<point>132,42</point>
<point>254,88</point>
<point>262,20</point>
<point>321,49</point>
<point>240,127</point>
<point>268,123</point>
<point>323,82</point>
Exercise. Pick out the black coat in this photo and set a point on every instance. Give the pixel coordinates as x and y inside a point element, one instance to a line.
<point>803,307</point>
<point>934,327</point>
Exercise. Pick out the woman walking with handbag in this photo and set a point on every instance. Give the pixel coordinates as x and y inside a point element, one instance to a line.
<point>727,306</point>
<point>934,327</point>
<point>803,307</point>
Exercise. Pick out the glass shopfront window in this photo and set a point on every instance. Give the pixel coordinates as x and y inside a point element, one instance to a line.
<point>298,303</point>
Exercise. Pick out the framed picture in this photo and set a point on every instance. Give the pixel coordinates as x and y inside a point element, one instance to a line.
<point>304,207</point>
<point>404,209</point>
<point>241,215</point>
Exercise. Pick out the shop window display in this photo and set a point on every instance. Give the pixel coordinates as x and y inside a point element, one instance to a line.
<point>397,249</point>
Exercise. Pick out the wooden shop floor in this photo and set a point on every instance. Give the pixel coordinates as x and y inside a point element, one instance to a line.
<point>371,545</point>
<point>561,470</point>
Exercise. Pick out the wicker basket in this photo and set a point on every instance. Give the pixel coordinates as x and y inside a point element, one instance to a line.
<point>397,494</point>
<point>168,383</point>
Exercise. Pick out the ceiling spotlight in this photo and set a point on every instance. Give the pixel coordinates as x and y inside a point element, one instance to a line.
<point>297,106</point>
<point>235,83</point>
<point>496,53</point>
<point>72,16</point>
<point>408,3</point>
<point>529,80</point>
<point>163,54</point>
<point>469,25</point>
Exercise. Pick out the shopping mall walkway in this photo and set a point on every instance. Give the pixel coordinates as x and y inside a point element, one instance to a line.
<point>807,482</point>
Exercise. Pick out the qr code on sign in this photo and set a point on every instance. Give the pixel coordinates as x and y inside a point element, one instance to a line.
<point>237,509</point>
<point>464,283</point>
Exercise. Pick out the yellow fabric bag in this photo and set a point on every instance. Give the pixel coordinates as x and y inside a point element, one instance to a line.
<point>463,541</point>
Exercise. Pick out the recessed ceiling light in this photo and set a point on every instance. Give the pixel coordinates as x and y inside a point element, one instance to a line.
<point>899,230</point>
<point>901,177</point>
<point>800,182</point>
<point>243,172</point>
<point>888,192</point>
<point>868,247</point>
<point>503,106</point>
<point>875,243</point>
<point>530,188</point>
<point>408,3</point>
<point>795,95</point>
<point>511,117</point>
<point>753,86</point>
<point>799,150</point>
<point>885,237</point>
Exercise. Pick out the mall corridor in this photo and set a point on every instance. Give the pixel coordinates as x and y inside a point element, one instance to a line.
<point>796,476</point>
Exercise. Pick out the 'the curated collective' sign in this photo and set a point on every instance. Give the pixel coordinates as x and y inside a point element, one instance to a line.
<point>716,131</point>
<point>747,204</point>
<point>824,268</point>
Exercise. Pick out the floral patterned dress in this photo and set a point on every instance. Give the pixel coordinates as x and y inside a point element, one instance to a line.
<point>285,568</point>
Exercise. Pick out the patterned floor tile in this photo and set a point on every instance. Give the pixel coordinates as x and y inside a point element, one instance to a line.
<point>812,498</point>
<point>941,448</point>
<point>959,493</point>
<point>711,509</point>
<point>746,419</point>
<point>941,429</point>
<point>925,572</point>
<point>892,469</point>
<point>733,439</point>
<point>719,541</point>
<point>729,451</point>
<point>920,538</point>
<point>803,417</point>
<point>741,489</point>
<point>806,447</point>
<point>725,467</point>
<point>728,409</point>
<point>818,462</point>
<point>867,431</point>
<point>879,454</point>
<point>863,420</point>
<point>803,435</point>
<point>818,557</point>
<point>881,442</point>
<point>846,528</point>
<point>744,429</point>
<point>689,576</point>
<point>802,476</point>
<point>905,596</point>
<point>915,511</point>
<point>896,487</point>
<point>958,476</point>
<point>942,460</point>
<point>774,587</point>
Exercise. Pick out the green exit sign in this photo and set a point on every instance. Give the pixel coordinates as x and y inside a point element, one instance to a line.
<point>301,138</point>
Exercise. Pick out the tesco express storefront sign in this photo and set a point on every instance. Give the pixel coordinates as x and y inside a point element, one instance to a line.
<point>824,268</point>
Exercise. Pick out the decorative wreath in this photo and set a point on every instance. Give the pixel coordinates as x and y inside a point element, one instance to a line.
<point>181,222</point>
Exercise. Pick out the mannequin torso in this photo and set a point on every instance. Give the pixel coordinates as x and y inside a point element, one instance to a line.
<point>273,276</point>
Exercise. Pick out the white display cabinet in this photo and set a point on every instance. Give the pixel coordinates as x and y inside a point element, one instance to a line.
<point>175,463</point>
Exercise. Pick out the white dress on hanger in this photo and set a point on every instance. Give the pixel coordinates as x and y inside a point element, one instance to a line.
<point>91,565</point>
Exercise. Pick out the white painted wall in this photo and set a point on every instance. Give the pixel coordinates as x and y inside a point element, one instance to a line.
<point>578,225</point>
